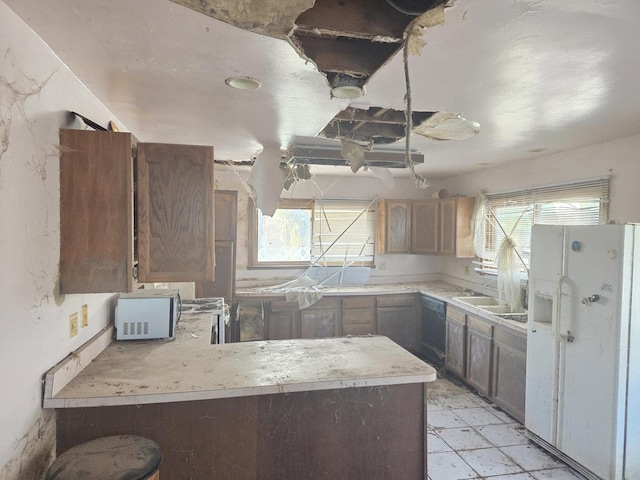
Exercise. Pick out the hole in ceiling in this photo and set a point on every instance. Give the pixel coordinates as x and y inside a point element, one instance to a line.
<point>374,126</point>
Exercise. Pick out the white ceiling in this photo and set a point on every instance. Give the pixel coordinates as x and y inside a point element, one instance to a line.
<point>539,76</point>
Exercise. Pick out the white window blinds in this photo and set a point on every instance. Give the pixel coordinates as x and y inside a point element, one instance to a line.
<point>579,203</point>
<point>348,227</point>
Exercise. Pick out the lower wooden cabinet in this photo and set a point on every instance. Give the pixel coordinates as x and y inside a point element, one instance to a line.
<point>490,357</point>
<point>398,319</point>
<point>322,319</point>
<point>456,345</point>
<point>508,378</point>
<point>283,320</point>
<point>394,316</point>
<point>479,341</point>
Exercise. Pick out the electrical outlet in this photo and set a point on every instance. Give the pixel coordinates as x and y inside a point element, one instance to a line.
<point>85,315</point>
<point>382,265</point>
<point>73,325</point>
<point>466,270</point>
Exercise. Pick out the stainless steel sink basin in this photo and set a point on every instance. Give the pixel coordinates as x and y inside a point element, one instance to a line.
<point>480,302</point>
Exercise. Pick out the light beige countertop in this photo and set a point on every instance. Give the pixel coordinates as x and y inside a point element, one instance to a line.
<point>189,367</point>
<point>438,289</point>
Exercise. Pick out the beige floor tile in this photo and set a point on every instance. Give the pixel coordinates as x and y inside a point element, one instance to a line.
<point>489,461</point>
<point>463,438</point>
<point>449,466</point>
<point>503,435</point>
<point>477,416</point>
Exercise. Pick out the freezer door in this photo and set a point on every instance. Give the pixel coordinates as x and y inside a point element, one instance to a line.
<point>589,331</point>
<point>547,249</point>
<point>540,406</point>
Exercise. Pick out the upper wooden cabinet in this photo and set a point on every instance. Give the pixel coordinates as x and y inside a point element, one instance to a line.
<point>429,226</point>
<point>174,208</point>
<point>456,235</point>
<point>96,212</point>
<point>225,269</point>
<point>175,213</point>
<point>394,226</point>
<point>425,217</point>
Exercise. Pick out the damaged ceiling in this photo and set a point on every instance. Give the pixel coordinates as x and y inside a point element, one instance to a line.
<point>538,76</point>
<point>347,41</point>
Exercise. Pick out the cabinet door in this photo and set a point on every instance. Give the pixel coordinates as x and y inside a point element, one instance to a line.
<point>509,372</point>
<point>456,235</point>
<point>425,226</point>
<point>226,219</point>
<point>226,207</point>
<point>448,226</point>
<point>175,213</point>
<point>225,273</point>
<point>284,319</point>
<point>321,319</point>
<point>456,352</point>
<point>359,315</point>
<point>394,220</point>
<point>96,212</point>
<point>479,352</point>
<point>400,324</point>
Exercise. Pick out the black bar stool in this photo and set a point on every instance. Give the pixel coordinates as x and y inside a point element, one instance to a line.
<point>121,457</point>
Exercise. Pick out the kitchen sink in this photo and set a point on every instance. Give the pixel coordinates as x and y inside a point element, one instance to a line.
<point>494,306</point>
<point>481,302</point>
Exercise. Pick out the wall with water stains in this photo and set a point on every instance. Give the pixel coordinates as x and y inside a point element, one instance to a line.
<point>36,91</point>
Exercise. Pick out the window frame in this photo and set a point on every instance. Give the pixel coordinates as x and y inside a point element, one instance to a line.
<point>252,217</point>
<point>253,233</point>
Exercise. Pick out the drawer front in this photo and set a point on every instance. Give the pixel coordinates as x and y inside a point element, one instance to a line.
<point>455,314</point>
<point>394,300</point>
<point>516,340</point>
<point>358,302</point>
<point>282,306</point>
<point>479,326</point>
<point>358,315</point>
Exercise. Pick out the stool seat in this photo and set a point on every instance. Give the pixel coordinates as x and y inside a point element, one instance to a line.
<point>120,457</point>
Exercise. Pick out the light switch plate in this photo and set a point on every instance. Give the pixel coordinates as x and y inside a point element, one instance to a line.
<point>85,315</point>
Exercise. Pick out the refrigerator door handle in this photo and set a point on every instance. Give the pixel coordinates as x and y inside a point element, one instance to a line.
<point>557,325</point>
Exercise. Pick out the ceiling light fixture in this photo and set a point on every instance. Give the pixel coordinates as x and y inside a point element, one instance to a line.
<point>242,83</point>
<point>346,86</point>
<point>347,91</point>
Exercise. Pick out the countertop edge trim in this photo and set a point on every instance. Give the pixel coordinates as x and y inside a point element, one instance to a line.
<point>235,392</point>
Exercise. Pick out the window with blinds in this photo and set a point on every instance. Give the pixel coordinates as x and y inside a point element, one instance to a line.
<point>344,231</point>
<point>513,213</point>
<point>304,232</point>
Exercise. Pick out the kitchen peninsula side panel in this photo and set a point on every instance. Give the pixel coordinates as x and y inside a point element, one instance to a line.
<point>340,434</point>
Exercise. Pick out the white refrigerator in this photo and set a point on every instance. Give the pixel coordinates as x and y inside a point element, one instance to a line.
<point>583,347</point>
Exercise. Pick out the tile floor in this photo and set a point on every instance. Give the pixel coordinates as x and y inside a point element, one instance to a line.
<point>470,438</point>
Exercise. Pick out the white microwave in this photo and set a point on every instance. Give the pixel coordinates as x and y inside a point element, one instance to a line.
<point>147,313</point>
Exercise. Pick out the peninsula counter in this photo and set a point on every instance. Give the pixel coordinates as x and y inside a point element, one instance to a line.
<point>332,408</point>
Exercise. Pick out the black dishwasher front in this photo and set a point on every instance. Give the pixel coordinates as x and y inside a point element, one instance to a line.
<point>434,329</point>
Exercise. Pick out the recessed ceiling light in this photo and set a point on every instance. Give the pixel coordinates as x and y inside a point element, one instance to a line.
<point>483,164</point>
<point>344,85</point>
<point>536,150</point>
<point>242,83</point>
<point>347,91</point>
